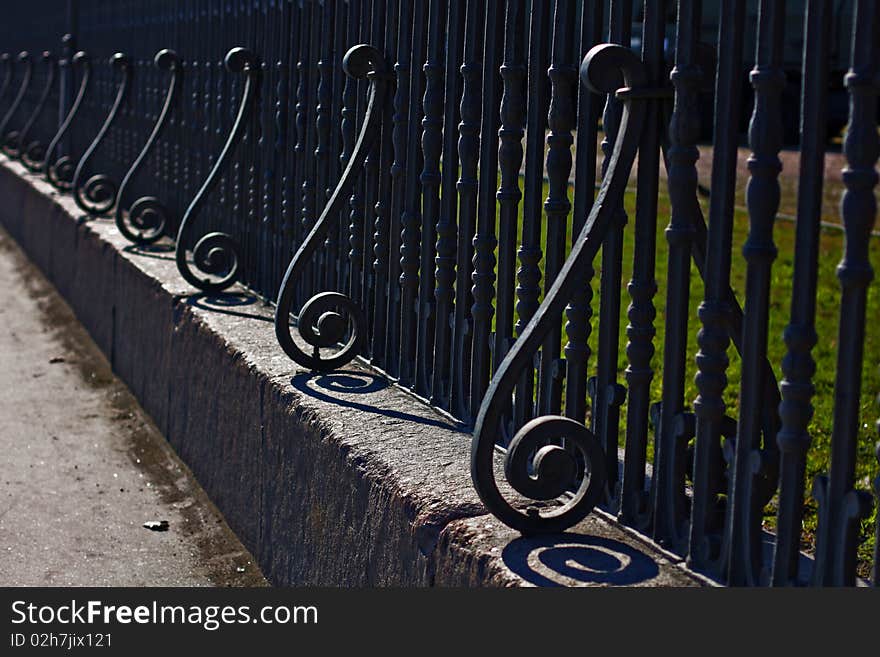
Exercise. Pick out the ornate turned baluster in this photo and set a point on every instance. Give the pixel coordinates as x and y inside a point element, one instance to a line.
<point>762,197</point>
<point>385,18</point>
<point>670,514</point>
<point>430,178</point>
<point>355,201</point>
<point>579,312</point>
<point>841,506</point>
<point>528,276</point>
<point>557,206</point>
<point>322,124</point>
<point>410,221</point>
<point>800,336</point>
<point>510,159</point>
<point>447,228</point>
<point>713,337</point>
<point>468,154</point>
<point>634,499</point>
<point>484,242</point>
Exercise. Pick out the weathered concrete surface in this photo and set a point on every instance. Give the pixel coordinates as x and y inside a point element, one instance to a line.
<point>84,468</point>
<point>333,480</point>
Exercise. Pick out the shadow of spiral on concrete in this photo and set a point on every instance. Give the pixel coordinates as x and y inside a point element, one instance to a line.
<point>575,560</point>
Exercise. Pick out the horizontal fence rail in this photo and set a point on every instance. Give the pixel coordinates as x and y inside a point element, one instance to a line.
<point>445,190</point>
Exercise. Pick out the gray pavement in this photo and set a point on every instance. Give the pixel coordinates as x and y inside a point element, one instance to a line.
<point>83,468</point>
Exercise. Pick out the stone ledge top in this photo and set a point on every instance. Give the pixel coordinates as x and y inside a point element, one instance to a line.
<point>395,440</point>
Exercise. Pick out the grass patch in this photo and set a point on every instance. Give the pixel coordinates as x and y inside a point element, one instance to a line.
<point>825,352</point>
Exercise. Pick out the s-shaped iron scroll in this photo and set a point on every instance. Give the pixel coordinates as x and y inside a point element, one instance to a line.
<point>144,221</point>
<point>216,255</point>
<point>95,196</point>
<point>322,321</point>
<point>59,172</point>
<point>536,464</point>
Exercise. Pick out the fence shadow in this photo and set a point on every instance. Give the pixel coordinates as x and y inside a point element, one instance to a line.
<point>227,303</point>
<point>156,251</point>
<point>570,559</point>
<point>329,387</point>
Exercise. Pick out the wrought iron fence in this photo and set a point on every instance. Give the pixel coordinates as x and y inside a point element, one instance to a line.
<point>415,183</point>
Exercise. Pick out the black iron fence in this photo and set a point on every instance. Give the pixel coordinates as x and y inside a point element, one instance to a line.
<point>414,183</point>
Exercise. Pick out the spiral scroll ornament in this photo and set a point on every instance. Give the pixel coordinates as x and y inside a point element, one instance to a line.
<point>144,222</point>
<point>8,136</point>
<point>331,319</point>
<point>96,194</point>
<point>552,459</point>
<point>60,170</point>
<point>33,151</point>
<point>216,256</point>
<point>6,63</point>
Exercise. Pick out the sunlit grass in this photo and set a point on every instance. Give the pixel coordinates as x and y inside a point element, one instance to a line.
<point>825,352</point>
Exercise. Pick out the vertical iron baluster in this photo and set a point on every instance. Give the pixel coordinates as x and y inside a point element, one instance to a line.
<point>742,532</point>
<point>350,114</point>
<point>713,337</point>
<point>484,241</point>
<point>447,227</point>
<point>579,311</point>
<point>607,393</point>
<point>322,126</point>
<point>430,179</point>
<point>841,506</point>
<point>307,187</point>
<point>670,515</point>
<point>798,365</point>
<point>381,237</point>
<point>528,276</point>
<point>634,499</point>
<point>410,221</point>
<point>468,154</point>
<point>300,111</point>
<point>399,140</point>
<point>510,158</point>
<point>557,206</point>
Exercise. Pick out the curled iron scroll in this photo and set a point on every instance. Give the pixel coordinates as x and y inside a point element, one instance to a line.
<point>6,63</point>
<point>326,318</point>
<point>33,151</point>
<point>59,171</point>
<point>95,195</point>
<point>144,221</point>
<point>216,254</point>
<point>10,137</point>
<point>536,465</point>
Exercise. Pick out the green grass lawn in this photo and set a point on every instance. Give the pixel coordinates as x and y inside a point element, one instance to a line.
<point>825,352</point>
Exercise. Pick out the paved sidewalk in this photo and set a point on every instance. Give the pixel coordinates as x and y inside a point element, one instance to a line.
<point>83,468</point>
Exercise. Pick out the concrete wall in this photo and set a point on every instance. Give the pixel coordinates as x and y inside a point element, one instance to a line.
<point>340,480</point>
